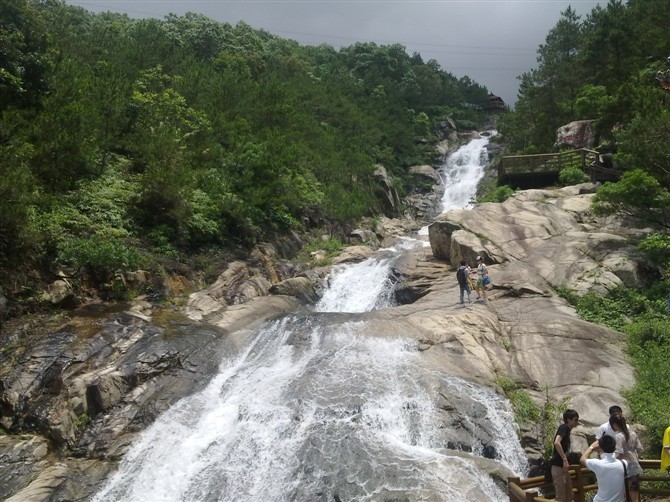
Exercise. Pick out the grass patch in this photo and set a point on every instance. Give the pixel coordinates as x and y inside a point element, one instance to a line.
<point>330,246</point>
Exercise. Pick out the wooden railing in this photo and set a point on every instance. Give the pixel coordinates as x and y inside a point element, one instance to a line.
<point>583,481</point>
<point>547,162</point>
<point>534,171</point>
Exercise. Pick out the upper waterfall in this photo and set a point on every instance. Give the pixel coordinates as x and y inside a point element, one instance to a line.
<point>462,172</point>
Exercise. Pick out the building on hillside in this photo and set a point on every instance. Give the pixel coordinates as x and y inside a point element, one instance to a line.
<point>494,104</point>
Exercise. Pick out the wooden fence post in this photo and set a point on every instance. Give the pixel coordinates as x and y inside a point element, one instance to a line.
<point>579,481</point>
<point>516,481</point>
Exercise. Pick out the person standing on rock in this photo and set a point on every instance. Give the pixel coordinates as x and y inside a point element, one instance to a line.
<point>560,466</point>
<point>483,279</point>
<point>463,277</point>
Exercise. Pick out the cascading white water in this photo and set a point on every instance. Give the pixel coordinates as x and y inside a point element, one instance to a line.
<point>311,410</point>
<point>364,286</point>
<point>461,173</point>
<point>351,290</point>
<point>317,408</point>
<point>463,170</point>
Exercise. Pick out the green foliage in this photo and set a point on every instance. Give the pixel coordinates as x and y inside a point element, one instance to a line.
<point>614,310</point>
<point>82,420</point>
<point>499,194</point>
<point>645,142</point>
<point>97,207</point>
<point>468,125</point>
<point>16,204</point>
<point>100,256</point>
<point>421,124</point>
<point>331,246</point>
<point>606,66</point>
<point>572,176</point>
<point>24,58</point>
<point>637,194</point>
<point>183,135</point>
<point>525,410</point>
<point>657,246</point>
<point>649,346</point>
<point>592,101</point>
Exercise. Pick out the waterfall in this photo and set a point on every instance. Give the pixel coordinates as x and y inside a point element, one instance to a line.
<point>320,407</point>
<point>462,171</point>
<point>360,287</point>
<point>364,286</point>
<point>310,410</point>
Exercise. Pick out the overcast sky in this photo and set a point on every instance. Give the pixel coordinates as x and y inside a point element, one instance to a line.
<point>492,41</point>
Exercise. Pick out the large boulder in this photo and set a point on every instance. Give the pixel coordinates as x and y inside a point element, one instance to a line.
<point>429,173</point>
<point>236,285</point>
<point>353,254</point>
<point>299,287</point>
<point>387,193</point>
<point>577,134</point>
<point>363,237</point>
<point>549,233</point>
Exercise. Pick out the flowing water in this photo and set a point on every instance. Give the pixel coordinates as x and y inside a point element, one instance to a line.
<point>462,172</point>
<point>316,408</point>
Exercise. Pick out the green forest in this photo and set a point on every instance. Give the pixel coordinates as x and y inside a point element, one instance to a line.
<point>136,143</point>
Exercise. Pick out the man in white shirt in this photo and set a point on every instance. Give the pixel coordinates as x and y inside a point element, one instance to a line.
<point>606,429</point>
<point>609,471</point>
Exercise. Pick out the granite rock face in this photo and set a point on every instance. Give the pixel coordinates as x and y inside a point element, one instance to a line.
<point>549,235</point>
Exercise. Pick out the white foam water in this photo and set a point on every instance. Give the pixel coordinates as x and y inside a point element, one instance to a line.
<point>310,410</point>
<point>462,172</point>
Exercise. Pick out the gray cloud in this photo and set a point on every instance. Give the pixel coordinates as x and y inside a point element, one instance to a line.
<point>492,41</point>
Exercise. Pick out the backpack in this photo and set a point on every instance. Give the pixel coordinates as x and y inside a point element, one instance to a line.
<point>460,276</point>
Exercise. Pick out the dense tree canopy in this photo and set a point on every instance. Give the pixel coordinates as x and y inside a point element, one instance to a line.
<point>600,67</point>
<point>173,136</point>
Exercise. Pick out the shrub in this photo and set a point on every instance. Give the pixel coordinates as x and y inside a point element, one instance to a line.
<point>649,399</point>
<point>525,410</point>
<point>637,194</point>
<point>331,246</point>
<point>572,176</point>
<point>657,247</point>
<point>100,256</point>
<point>500,194</point>
<point>643,317</point>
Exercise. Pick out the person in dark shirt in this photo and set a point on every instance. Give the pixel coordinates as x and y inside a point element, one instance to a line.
<point>559,460</point>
